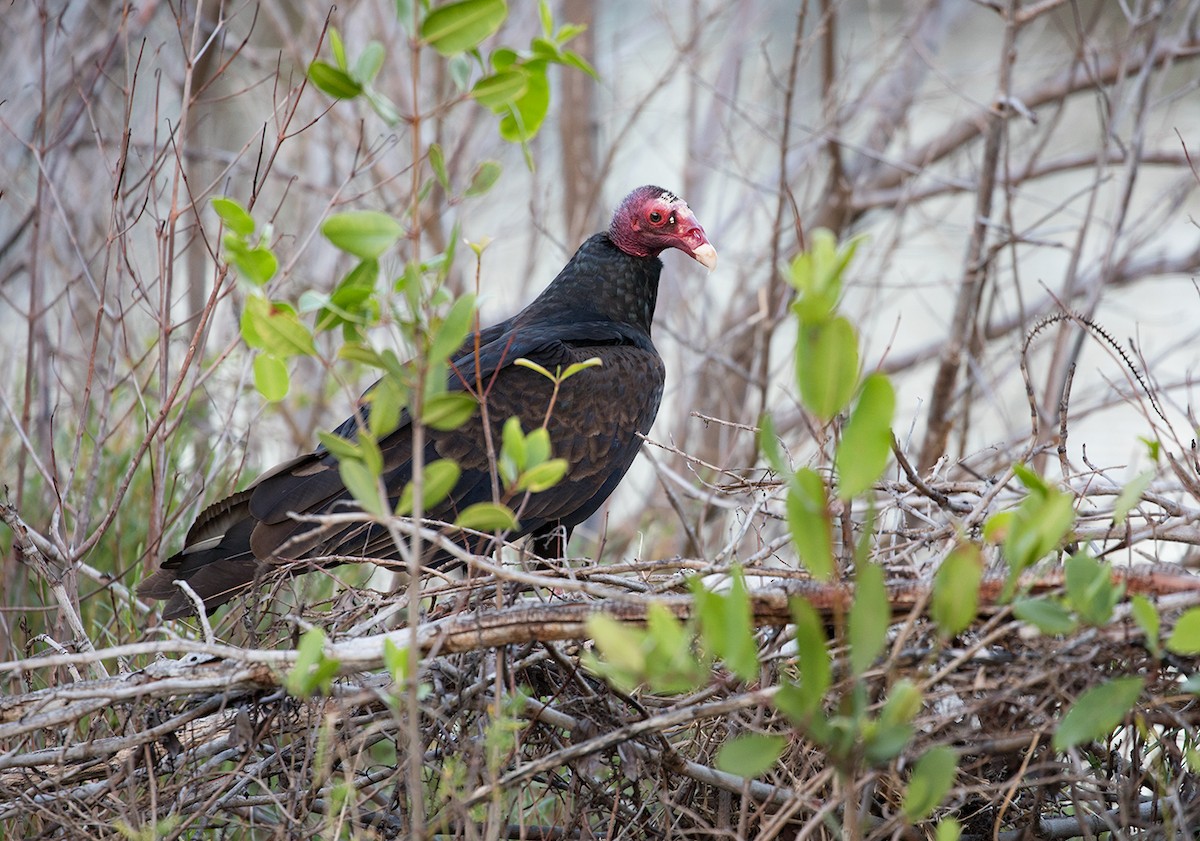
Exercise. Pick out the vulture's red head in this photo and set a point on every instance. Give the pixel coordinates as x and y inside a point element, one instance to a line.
<point>650,220</point>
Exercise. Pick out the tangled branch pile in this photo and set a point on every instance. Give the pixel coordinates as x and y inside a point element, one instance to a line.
<point>512,733</point>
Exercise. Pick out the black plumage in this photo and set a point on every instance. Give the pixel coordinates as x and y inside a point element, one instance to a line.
<point>600,305</point>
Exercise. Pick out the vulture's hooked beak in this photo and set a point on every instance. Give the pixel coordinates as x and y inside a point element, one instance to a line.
<point>705,255</point>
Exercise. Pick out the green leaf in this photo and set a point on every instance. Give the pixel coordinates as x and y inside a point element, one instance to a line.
<point>808,520</point>
<point>1131,495</point>
<point>866,442</point>
<point>395,659</point>
<point>440,477</point>
<point>533,366</point>
<point>312,670</point>
<point>501,89</point>
<point>255,265</point>
<point>671,663</point>
<point>271,377</point>
<point>827,366</point>
<point>487,516</point>
<point>750,754</point>
<point>458,27</point>
<point>869,617</point>
<point>337,48</point>
<point>234,216</point>
<point>340,447</point>
<point>1040,523</point>
<point>1048,615</point>
<point>453,330</point>
<point>1097,712</point>
<point>1185,638</point>
<point>363,485</point>
<point>575,367</point>
<point>437,162</point>
<point>725,625</point>
<point>485,175</point>
<point>800,701</point>
<point>1091,590</point>
<point>364,233</point>
<point>817,275</point>
<point>366,68</point>
<point>955,599</point>
<point>513,453</point>
<point>386,400</point>
<point>537,447</point>
<point>525,116</point>
<point>332,81</point>
<point>932,777</point>
<point>544,476</point>
<point>275,328</point>
<point>448,410</point>
<point>1146,615</point>
<point>948,829</point>
<point>624,657</point>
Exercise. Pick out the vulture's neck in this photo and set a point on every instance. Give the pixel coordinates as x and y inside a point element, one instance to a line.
<point>602,283</point>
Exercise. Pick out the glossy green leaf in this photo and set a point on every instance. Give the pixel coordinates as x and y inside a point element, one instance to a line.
<point>1039,525</point>
<point>827,366</point>
<point>501,89</point>
<point>439,479</point>
<point>620,647</point>
<point>816,274</point>
<point>1046,614</point>
<point>448,410</point>
<point>1091,591</point>
<point>725,624</point>
<point>1185,637</point>
<point>524,117</point>
<point>1097,712</point>
<point>275,328</point>
<point>369,61</point>
<point>800,701</point>
<point>386,400</point>
<point>750,754</point>
<point>312,670</point>
<point>513,453</point>
<point>437,162</point>
<point>948,829</point>
<point>271,377</point>
<point>1146,615</point>
<point>332,81</point>
<point>537,447</point>
<point>364,233</point>
<point>395,659</point>
<point>454,329</point>
<point>487,516</point>
<point>338,48</point>
<point>869,617</point>
<point>955,598</point>
<point>483,178</point>
<point>339,446</point>
<point>808,520</point>
<point>1131,495</point>
<point>932,777</point>
<point>363,486</point>
<point>543,476</point>
<point>458,27</point>
<point>575,367</point>
<point>234,216</point>
<point>254,265</point>
<point>866,443</point>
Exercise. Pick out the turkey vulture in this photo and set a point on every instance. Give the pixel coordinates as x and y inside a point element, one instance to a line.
<point>600,305</point>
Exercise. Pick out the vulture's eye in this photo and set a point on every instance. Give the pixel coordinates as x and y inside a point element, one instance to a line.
<point>655,216</point>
